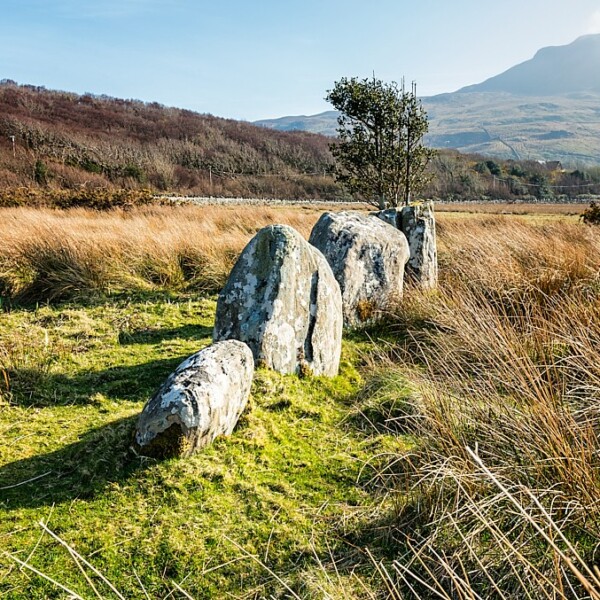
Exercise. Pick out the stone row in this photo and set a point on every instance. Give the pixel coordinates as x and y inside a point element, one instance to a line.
<point>284,306</point>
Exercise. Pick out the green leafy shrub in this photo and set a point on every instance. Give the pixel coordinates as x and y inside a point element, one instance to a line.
<point>591,215</point>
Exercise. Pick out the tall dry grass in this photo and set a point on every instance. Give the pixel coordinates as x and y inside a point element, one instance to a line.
<point>514,208</point>
<point>53,255</point>
<point>501,496</point>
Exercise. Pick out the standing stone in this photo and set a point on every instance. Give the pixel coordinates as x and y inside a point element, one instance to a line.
<point>418,225</point>
<point>367,257</point>
<point>282,300</point>
<point>203,398</point>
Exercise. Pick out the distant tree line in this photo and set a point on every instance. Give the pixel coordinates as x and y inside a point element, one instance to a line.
<point>463,177</point>
<point>52,140</point>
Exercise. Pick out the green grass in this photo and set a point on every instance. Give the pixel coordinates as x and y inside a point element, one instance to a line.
<point>288,487</point>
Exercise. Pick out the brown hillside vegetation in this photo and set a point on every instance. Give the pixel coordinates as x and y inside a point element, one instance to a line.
<point>66,140</point>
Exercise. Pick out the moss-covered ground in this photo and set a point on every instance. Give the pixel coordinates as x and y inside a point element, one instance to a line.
<point>284,492</point>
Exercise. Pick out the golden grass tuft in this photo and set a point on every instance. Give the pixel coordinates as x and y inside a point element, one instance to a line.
<point>53,255</point>
<point>505,476</point>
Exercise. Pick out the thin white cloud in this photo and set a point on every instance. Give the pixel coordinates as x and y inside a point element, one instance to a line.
<point>594,23</point>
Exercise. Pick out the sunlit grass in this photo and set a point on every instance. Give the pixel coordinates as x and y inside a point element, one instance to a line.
<point>75,378</point>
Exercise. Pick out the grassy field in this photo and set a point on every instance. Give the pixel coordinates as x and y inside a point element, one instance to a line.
<point>456,455</point>
<point>78,376</point>
<point>544,210</point>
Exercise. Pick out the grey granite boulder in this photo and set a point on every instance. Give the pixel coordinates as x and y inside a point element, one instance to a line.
<point>367,257</point>
<point>282,300</point>
<point>203,398</point>
<point>418,225</point>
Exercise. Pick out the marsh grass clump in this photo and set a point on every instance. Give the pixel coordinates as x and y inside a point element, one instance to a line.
<point>504,475</point>
<point>57,255</point>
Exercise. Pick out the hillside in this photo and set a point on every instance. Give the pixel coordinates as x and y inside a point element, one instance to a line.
<point>565,128</point>
<point>60,139</point>
<point>324,123</point>
<point>546,108</point>
<point>553,71</point>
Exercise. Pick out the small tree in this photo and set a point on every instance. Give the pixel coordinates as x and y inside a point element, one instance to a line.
<point>380,153</point>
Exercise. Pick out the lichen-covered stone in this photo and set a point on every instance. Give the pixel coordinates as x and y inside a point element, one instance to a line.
<point>418,225</point>
<point>282,300</point>
<point>203,398</point>
<point>367,257</point>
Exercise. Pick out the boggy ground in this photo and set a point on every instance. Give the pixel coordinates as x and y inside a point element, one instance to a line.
<point>456,454</point>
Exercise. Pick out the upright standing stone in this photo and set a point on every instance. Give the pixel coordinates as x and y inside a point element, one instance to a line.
<point>203,398</point>
<point>282,300</point>
<point>367,258</point>
<point>418,225</point>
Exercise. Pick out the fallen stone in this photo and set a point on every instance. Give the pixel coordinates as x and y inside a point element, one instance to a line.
<point>418,225</point>
<point>367,257</point>
<point>202,399</point>
<point>282,300</point>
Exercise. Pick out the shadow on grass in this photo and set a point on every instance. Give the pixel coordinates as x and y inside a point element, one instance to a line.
<point>389,331</point>
<point>77,471</point>
<point>156,335</point>
<point>32,388</point>
<point>94,299</point>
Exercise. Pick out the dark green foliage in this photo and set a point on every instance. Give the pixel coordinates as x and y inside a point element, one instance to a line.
<point>517,170</point>
<point>40,173</point>
<point>541,186</point>
<point>135,172</point>
<point>380,154</point>
<point>494,168</point>
<point>591,215</point>
<point>488,167</point>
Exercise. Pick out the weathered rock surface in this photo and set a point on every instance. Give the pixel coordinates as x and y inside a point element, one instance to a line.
<point>282,300</point>
<point>418,225</point>
<point>367,257</point>
<point>203,398</point>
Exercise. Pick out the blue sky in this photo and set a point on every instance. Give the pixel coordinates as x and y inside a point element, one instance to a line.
<point>259,59</point>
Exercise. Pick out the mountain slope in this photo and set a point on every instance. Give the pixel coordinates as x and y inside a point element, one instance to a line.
<point>565,128</point>
<point>552,71</point>
<point>547,108</point>
<point>324,123</point>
